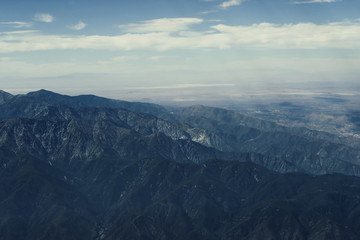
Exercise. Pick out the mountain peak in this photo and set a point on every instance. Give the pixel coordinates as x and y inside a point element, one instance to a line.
<point>42,92</point>
<point>49,97</point>
<point>4,96</point>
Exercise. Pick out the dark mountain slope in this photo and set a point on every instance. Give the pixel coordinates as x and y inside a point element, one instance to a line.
<point>37,202</point>
<point>72,144</point>
<point>68,142</point>
<point>222,200</point>
<point>81,168</point>
<point>161,199</point>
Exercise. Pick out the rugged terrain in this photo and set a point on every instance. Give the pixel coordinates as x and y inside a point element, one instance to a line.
<point>87,167</point>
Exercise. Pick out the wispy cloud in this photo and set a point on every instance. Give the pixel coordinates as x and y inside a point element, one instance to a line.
<point>17,24</point>
<point>161,25</point>
<point>79,26</point>
<point>223,6</point>
<point>43,17</point>
<point>18,33</point>
<point>315,1</point>
<point>210,11</point>
<point>230,3</point>
<point>336,35</point>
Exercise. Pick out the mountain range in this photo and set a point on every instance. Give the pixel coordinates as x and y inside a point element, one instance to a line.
<point>87,167</point>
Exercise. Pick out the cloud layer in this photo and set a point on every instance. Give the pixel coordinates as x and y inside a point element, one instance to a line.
<point>174,34</point>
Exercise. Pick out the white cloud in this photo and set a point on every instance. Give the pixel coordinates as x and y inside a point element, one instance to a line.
<point>209,11</point>
<point>337,35</point>
<point>17,24</point>
<point>315,1</point>
<point>43,17</point>
<point>223,6</point>
<point>161,25</point>
<point>79,26</point>
<point>230,3</point>
<point>16,33</point>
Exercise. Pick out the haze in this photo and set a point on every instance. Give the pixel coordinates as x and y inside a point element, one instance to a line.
<point>180,51</point>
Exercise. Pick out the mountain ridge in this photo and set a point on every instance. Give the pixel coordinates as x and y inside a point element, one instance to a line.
<point>223,130</point>
<point>94,168</point>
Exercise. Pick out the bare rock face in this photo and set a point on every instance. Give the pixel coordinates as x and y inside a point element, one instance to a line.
<point>93,168</point>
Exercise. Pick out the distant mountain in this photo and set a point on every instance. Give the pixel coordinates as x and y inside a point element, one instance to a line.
<point>223,134</point>
<point>310,151</point>
<point>222,120</point>
<point>93,168</point>
<point>20,105</point>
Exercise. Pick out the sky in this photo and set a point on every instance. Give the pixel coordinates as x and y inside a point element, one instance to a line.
<point>180,50</point>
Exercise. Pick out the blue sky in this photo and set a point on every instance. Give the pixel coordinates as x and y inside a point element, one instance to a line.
<point>177,50</point>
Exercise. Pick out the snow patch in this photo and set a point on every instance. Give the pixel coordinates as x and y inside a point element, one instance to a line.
<point>256,178</point>
<point>200,138</point>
